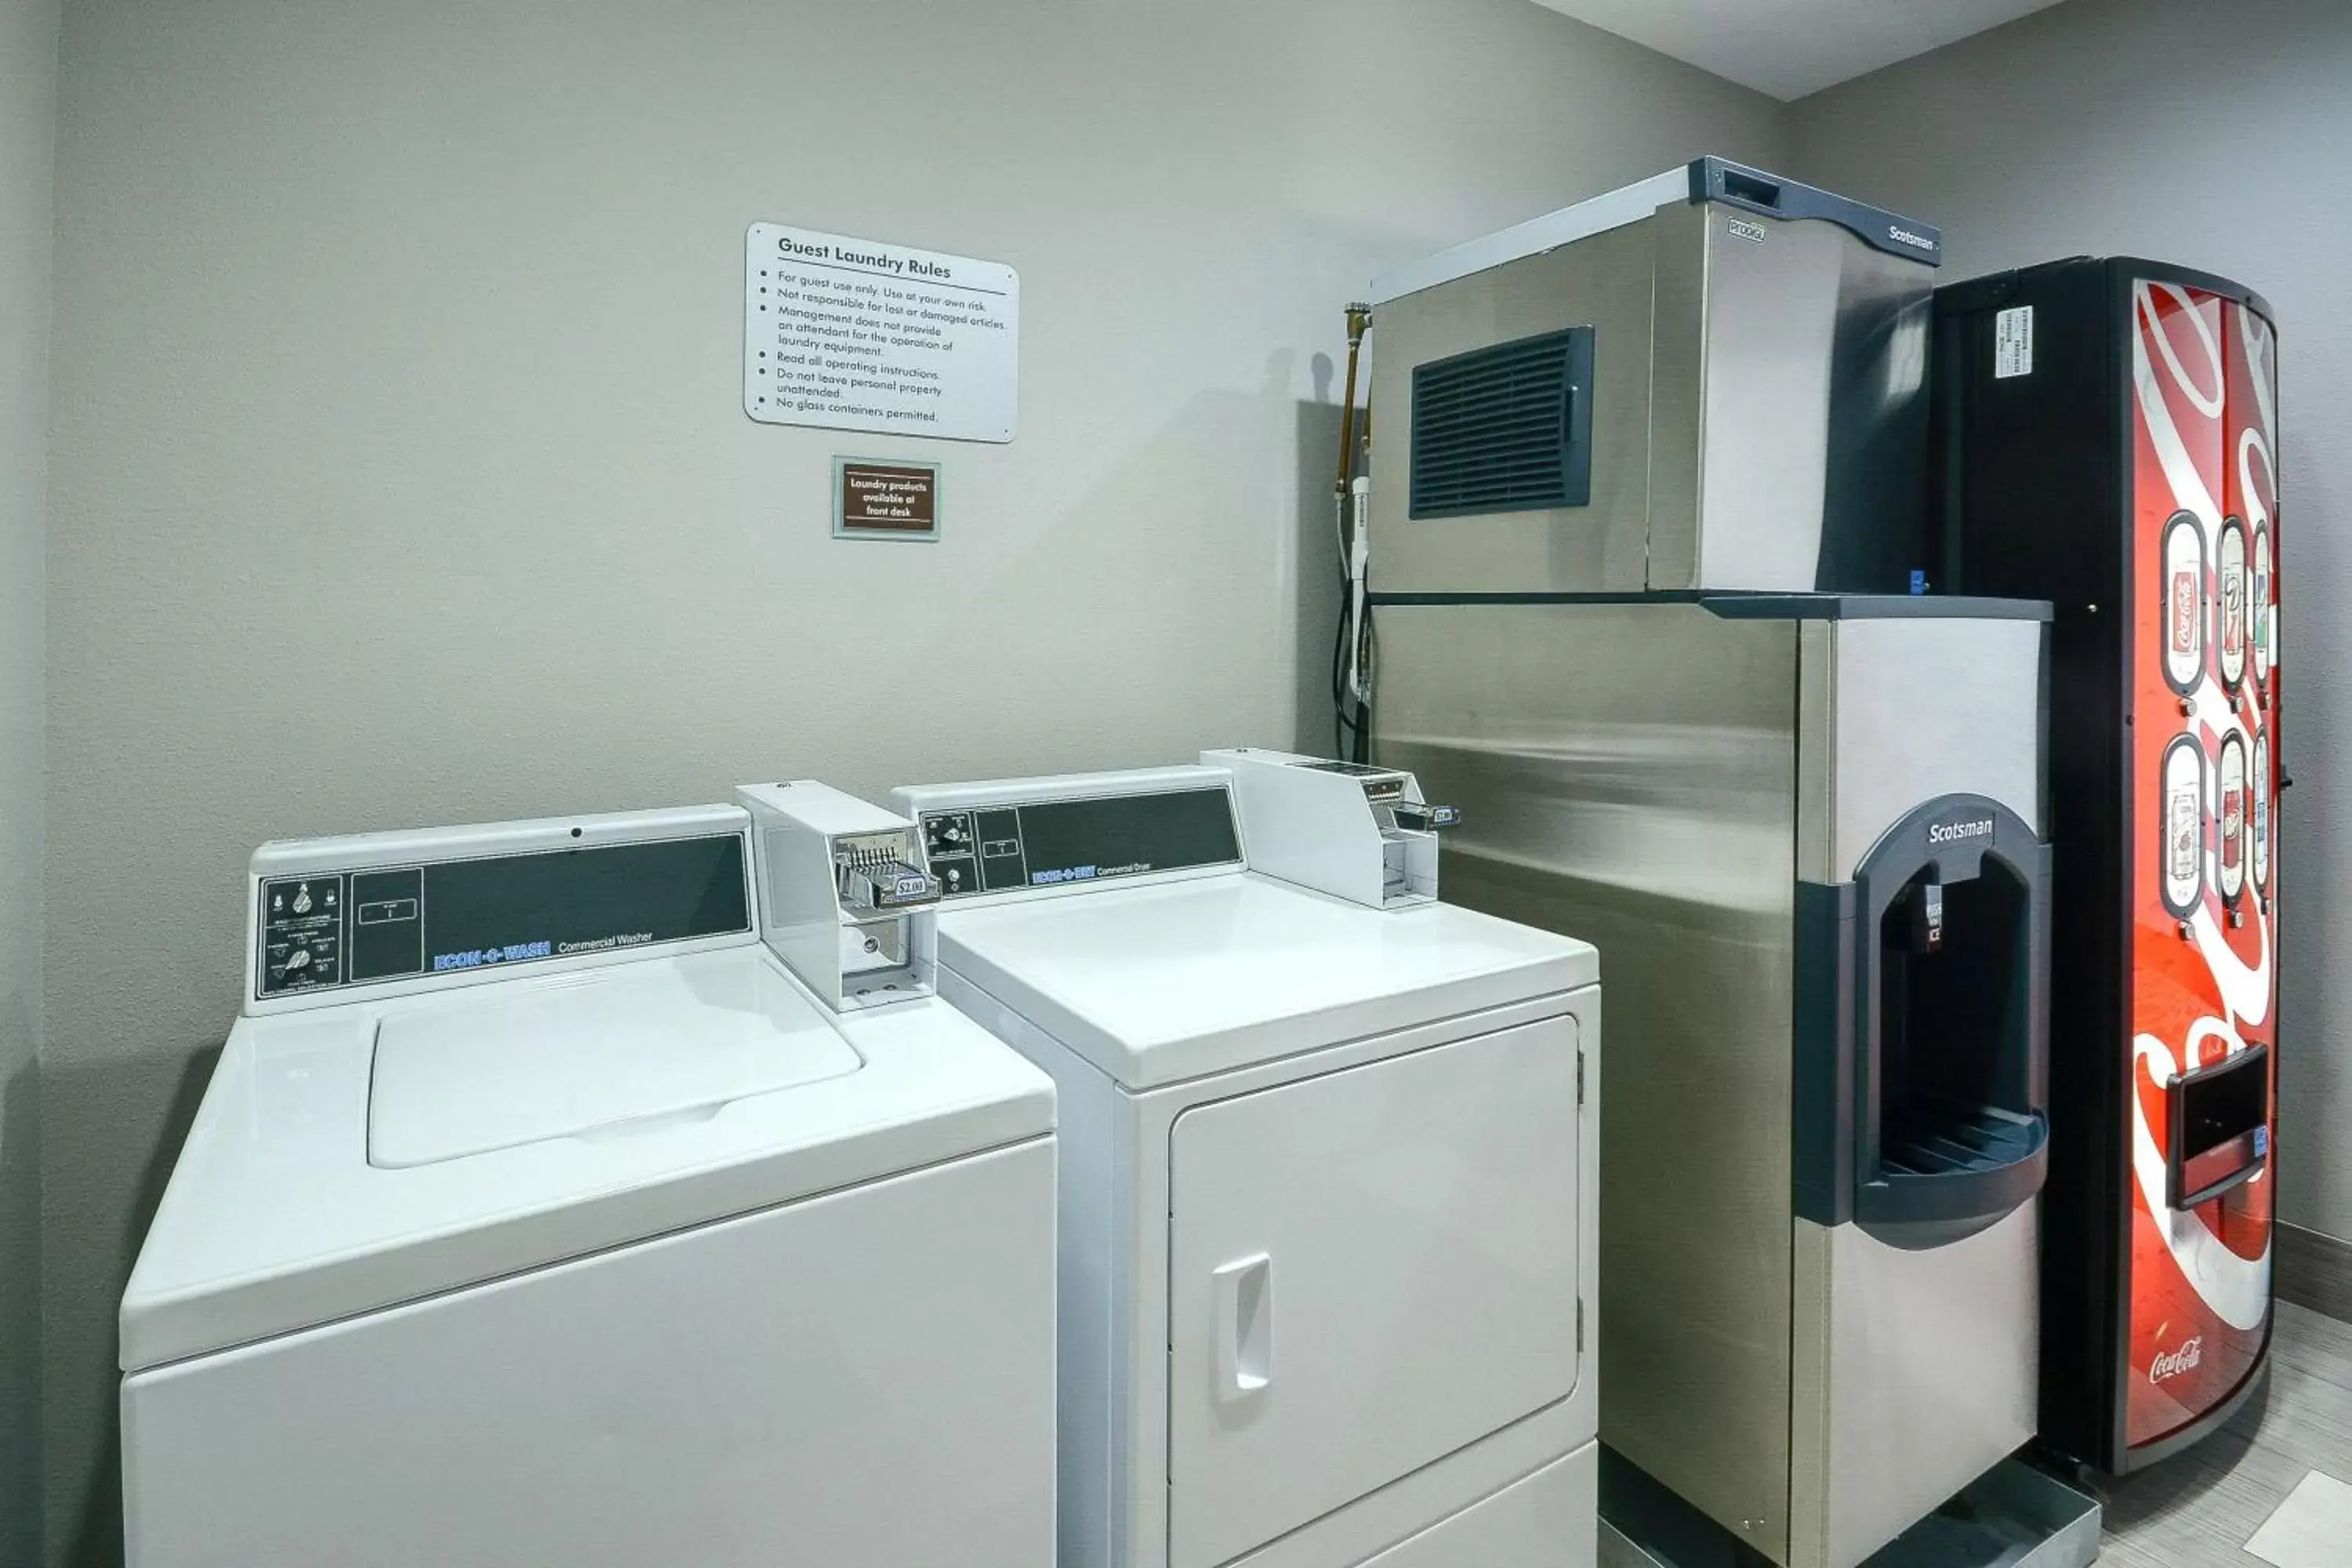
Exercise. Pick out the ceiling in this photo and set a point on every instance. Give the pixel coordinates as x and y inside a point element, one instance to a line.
<point>1791,47</point>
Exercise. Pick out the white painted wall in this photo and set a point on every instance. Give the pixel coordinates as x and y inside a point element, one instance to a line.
<point>29,57</point>
<point>2211,132</point>
<point>400,473</point>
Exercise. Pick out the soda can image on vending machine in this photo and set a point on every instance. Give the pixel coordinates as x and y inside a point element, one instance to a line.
<point>2182,813</point>
<point>2261,608</point>
<point>2231,852</point>
<point>2184,603</point>
<point>2232,608</point>
<point>2262,815</point>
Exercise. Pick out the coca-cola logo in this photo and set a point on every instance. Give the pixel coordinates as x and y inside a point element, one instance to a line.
<point>2172,1363</point>
<point>2184,612</point>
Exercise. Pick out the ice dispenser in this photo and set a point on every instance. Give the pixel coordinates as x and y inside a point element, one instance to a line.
<point>1804,833</point>
<point>1922,1025</point>
<point>1647,550</point>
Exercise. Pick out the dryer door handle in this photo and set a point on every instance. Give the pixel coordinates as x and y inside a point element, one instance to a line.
<point>1245,1327</point>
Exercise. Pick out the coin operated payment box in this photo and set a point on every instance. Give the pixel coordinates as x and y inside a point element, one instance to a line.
<point>843,891</point>
<point>1361,833</point>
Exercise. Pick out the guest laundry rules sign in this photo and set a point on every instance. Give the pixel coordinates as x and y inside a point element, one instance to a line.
<point>855,334</point>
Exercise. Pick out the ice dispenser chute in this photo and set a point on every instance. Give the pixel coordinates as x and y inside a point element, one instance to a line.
<point>1923,1029</point>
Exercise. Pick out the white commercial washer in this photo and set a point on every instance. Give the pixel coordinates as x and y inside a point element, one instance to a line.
<point>1327,1164</point>
<point>536,1214</point>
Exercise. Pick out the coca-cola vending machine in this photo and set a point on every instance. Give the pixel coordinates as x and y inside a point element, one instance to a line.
<point>2107,433</point>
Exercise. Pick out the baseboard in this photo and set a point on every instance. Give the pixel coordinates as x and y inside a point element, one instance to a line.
<point>2315,1270</point>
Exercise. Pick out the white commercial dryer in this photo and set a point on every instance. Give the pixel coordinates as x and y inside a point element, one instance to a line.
<point>536,1214</point>
<point>1327,1209</point>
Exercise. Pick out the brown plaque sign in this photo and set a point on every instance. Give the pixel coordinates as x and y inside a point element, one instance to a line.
<point>885,501</point>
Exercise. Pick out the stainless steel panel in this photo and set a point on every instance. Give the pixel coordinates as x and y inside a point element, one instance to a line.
<point>1930,707</point>
<point>1810,1381</point>
<point>1603,280</point>
<point>1875,491</point>
<point>1815,409</point>
<point>1678,396</point>
<point>1627,774</point>
<point>1929,1378</point>
<point>1772,328</point>
<point>1816,755</point>
<point>1759,415</point>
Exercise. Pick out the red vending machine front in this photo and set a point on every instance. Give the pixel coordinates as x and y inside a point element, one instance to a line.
<point>2105,434</point>
<point>2204,971</point>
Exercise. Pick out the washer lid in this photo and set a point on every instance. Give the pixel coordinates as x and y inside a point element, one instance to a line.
<point>278,1218</point>
<point>606,1052</point>
<point>1157,983</point>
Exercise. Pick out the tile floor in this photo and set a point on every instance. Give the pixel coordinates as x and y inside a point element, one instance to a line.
<point>2200,1509</point>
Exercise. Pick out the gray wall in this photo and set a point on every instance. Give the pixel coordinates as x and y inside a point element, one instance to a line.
<point>28,56</point>
<point>2211,132</point>
<point>400,474</point>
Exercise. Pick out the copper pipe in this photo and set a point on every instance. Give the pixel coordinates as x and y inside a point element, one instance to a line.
<point>1360,318</point>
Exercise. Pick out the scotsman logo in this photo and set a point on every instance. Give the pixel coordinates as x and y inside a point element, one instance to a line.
<point>2172,1363</point>
<point>1953,832</point>
<point>1902,235</point>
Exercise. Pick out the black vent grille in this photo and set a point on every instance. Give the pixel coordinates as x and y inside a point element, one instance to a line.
<point>1507,429</point>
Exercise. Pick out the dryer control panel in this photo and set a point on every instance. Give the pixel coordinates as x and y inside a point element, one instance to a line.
<point>996,847</point>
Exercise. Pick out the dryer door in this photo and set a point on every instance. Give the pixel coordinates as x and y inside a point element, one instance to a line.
<point>1368,1270</point>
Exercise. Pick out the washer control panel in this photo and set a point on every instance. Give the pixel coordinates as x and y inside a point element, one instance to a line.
<point>301,933</point>
<point>333,928</point>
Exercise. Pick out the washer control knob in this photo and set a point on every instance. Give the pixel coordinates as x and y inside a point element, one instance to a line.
<point>297,960</point>
<point>303,900</point>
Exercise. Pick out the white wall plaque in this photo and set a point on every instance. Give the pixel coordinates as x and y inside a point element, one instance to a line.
<point>853,334</point>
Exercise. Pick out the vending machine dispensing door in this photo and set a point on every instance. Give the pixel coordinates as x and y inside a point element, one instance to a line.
<point>2218,1117</point>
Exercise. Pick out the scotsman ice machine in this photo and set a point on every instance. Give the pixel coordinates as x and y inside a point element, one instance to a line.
<point>2107,434</point>
<point>1647,491</point>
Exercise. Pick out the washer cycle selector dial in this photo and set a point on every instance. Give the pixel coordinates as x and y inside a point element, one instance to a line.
<point>301,934</point>
<point>947,833</point>
<point>948,845</point>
